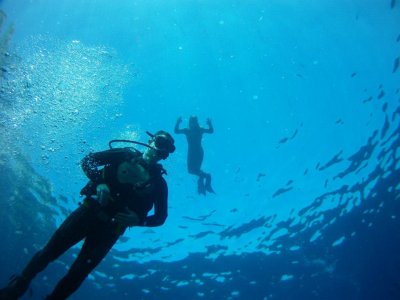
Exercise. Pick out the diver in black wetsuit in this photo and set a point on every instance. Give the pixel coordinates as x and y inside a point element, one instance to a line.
<point>195,154</point>
<point>124,185</point>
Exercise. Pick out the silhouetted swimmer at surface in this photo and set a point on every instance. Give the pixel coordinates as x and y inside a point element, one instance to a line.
<point>194,135</point>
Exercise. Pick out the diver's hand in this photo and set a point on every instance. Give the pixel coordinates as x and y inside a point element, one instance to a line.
<point>209,123</point>
<point>128,219</point>
<point>103,194</point>
<point>179,120</point>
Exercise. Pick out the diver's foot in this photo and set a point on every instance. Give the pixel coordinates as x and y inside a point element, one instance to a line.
<point>210,189</point>
<point>5,295</point>
<point>50,297</point>
<point>200,187</point>
<point>208,184</point>
<point>15,288</point>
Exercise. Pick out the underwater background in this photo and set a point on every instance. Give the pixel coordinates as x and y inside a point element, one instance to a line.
<point>305,101</point>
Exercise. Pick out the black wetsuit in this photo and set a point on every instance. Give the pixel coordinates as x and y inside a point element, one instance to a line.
<point>94,223</point>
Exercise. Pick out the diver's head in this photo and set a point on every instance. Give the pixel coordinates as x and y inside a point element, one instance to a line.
<point>193,122</point>
<point>162,144</point>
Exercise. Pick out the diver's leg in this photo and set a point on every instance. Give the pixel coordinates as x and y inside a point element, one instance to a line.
<point>201,189</point>
<point>69,233</point>
<point>94,249</point>
<point>204,183</point>
<point>194,170</point>
<point>208,184</point>
<point>194,161</point>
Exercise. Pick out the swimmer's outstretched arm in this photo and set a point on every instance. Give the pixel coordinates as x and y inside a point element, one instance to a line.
<point>210,127</point>
<point>177,130</point>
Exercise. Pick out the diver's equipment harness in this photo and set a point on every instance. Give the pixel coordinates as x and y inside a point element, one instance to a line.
<point>91,186</point>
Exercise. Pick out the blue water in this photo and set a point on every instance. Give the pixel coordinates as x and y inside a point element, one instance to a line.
<point>305,101</point>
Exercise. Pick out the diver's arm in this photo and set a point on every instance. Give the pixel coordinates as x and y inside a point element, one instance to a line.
<point>177,130</point>
<point>160,207</point>
<point>210,127</point>
<point>93,161</point>
<point>90,165</point>
<point>127,219</point>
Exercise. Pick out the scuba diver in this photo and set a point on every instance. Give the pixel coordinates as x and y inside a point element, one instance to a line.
<point>124,184</point>
<point>194,135</point>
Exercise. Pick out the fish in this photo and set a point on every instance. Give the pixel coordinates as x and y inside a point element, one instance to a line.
<point>396,64</point>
